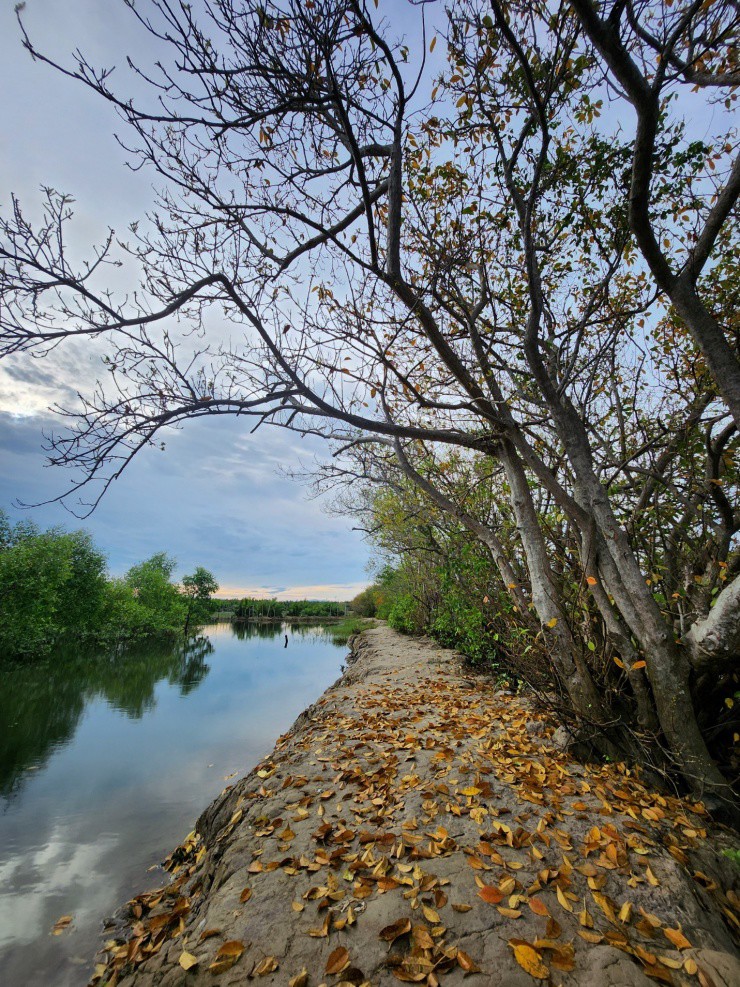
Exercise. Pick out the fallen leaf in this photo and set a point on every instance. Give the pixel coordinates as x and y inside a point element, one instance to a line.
<point>61,924</point>
<point>530,960</point>
<point>677,937</point>
<point>338,961</point>
<point>466,963</point>
<point>563,900</point>
<point>245,895</point>
<point>538,906</point>
<point>300,979</point>
<point>268,965</point>
<point>491,895</point>
<point>227,956</point>
<point>398,928</point>
<point>187,961</point>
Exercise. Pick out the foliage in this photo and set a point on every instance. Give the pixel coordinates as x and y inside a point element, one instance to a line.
<point>54,588</point>
<point>258,609</point>
<point>198,590</point>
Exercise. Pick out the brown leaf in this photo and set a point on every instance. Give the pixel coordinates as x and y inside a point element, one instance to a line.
<point>245,895</point>
<point>300,979</point>
<point>459,907</point>
<point>466,963</point>
<point>227,956</point>
<point>530,960</point>
<point>338,961</point>
<point>400,927</point>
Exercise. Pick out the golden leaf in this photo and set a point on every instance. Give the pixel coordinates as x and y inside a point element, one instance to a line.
<point>61,924</point>
<point>530,960</point>
<point>300,979</point>
<point>245,895</point>
<point>268,965</point>
<point>677,937</point>
<point>227,956</point>
<point>562,899</point>
<point>430,915</point>
<point>187,961</point>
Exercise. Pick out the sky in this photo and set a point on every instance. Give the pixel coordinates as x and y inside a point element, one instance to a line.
<point>216,497</point>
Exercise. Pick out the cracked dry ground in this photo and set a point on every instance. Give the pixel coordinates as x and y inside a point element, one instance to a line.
<point>417,826</point>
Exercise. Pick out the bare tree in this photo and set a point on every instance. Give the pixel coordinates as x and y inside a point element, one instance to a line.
<point>454,268</point>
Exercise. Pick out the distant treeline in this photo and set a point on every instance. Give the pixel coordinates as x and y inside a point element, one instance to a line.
<point>55,587</point>
<point>250,609</point>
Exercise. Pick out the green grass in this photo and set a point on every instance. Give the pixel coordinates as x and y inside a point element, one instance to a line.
<point>340,633</point>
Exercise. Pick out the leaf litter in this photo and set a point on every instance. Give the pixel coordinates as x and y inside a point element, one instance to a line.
<point>427,794</point>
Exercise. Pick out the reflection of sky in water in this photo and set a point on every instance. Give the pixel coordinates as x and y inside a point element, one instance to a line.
<point>109,800</point>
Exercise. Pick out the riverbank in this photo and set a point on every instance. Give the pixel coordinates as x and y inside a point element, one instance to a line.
<point>415,825</point>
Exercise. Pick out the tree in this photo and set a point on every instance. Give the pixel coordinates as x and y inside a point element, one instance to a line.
<point>198,590</point>
<point>158,599</point>
<point>449,271</point>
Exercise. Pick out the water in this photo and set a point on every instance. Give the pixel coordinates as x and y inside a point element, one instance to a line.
<point>106,762</point>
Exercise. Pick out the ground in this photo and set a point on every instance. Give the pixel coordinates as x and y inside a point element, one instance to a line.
<point>417,825</point>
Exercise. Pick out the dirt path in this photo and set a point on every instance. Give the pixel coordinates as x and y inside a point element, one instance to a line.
<point>416,826</point>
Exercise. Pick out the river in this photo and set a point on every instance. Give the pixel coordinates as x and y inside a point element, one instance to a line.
<point>107,760</point>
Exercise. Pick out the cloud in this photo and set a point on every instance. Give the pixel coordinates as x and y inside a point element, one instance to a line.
<point>213,498</point>
<point>319,591</point>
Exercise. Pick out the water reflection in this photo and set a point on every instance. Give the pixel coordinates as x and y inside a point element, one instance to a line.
<point>129,749</point>
<point>41,703</point>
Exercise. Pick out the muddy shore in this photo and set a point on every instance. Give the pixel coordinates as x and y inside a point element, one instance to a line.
<point>416,825</point>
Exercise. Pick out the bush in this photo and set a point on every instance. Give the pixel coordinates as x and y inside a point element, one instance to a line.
<point>403,615</point>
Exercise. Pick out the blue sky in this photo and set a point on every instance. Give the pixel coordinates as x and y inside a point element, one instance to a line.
<point>215,497</point>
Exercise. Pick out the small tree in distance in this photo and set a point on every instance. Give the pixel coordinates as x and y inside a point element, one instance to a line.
<point>198,589</point>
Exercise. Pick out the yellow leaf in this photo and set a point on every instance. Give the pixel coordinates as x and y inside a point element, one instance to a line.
<point>677,937</point>
<point>553,622</point>
<point>61,924</point>
<point>300,979</point>
<point>268,965</point>
<point>187,961</point>
<point>530,960</point>
<point>563,900</point>
<point>638,664</point>
<point>433,43</point>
